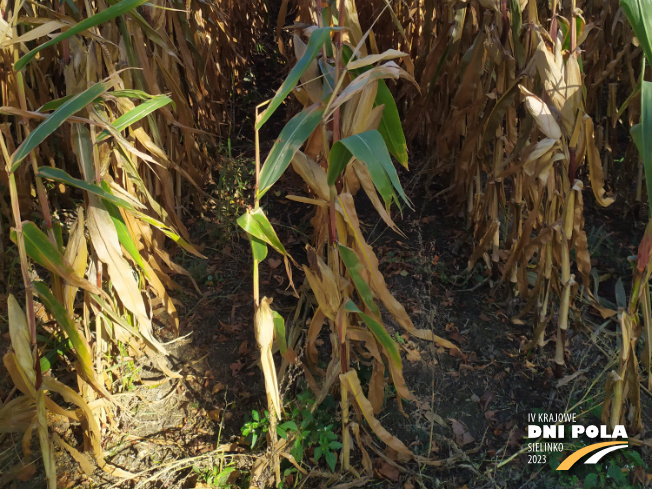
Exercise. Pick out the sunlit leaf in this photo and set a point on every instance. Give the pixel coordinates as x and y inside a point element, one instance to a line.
<point>380,333</point>
<point>58,175</point>
<point>279,332</point>
<point>137,113</point>
<point>54,120</point>
<point>255,222</point>
<point>43,252</point>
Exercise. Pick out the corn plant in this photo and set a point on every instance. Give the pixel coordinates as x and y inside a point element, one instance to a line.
<point>347,130</point>
<point>85,116</point>
<point>623,393</point>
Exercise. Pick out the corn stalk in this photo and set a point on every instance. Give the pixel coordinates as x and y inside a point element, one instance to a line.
<point>98,124</point>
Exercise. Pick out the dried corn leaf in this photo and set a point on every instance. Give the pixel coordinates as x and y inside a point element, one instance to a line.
<point>376,279</point>
<point>106,244</point>
<point>352,383</point>
<point>264,328</point>
<point>594,161</point>
<point>20,342</point>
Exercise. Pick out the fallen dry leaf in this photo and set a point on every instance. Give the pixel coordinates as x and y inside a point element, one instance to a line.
<point>236,367</point>
<point>389,472</point>
<point>462,435</point>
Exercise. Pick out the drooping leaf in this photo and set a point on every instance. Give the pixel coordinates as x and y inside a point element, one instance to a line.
<point>380,333</point>
<point>106,244</point>
<point>255,222</point>
<point>123,234</point>
<point>317,39</point>
<point>137,113</point>
<point>64,320</point>
<point>322,283</point>
<point>54,120</point>
<point>355,269</point>
<point>292,136</point>
<point>374,58</point>
<point>102,16</point>
<point>43,252</point>
<point>76,253</point>
<point>352,383</point>
<point>58,175</point>
<point>369,148</point>
<point>169,232</point>
<point>79,343</point>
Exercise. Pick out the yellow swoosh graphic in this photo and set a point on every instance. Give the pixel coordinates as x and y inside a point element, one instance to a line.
<point>571,459</point>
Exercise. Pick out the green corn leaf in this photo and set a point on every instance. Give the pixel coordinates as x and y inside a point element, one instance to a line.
<point>43,252</point>
<point>390,124</point>
<point>51,357</point>
<point>255,223</point>
<point>82,349</point>
<point>58,235</point>
<point>645,146</point>
<point>123,234</point>
<point>638,14</point>
<point>127,93</point>
<point>381,334</point>
<point>150,33</point>
<point>97,19</point>
<point>315,43</point>
<point>293,135</point>
<point>279,332</point>
<point>59,175</point>
<point>55,104</point>
<point>73,8</point>
<point>49,125</point>
<point>258,248</point>
<point>82,146</point>
<point>354,267</point>
<point>517,23</point>
<point>136,114</point>
<point>369,148</point>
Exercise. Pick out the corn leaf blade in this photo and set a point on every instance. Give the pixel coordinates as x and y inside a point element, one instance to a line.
<point>293,135</point>
<point>97,19</point>
<point>315,43</point>
<point>136,114</point>
<point>355,269</point>
<point>390,125</point>
<point>49,125</point>
<point>58,175</point>
<point>369,148</point>
<point>255,223</point>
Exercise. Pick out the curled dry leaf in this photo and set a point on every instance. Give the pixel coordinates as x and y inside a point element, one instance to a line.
<point>104,239</point>
<point>264,327</point>
<point>352,383</point>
